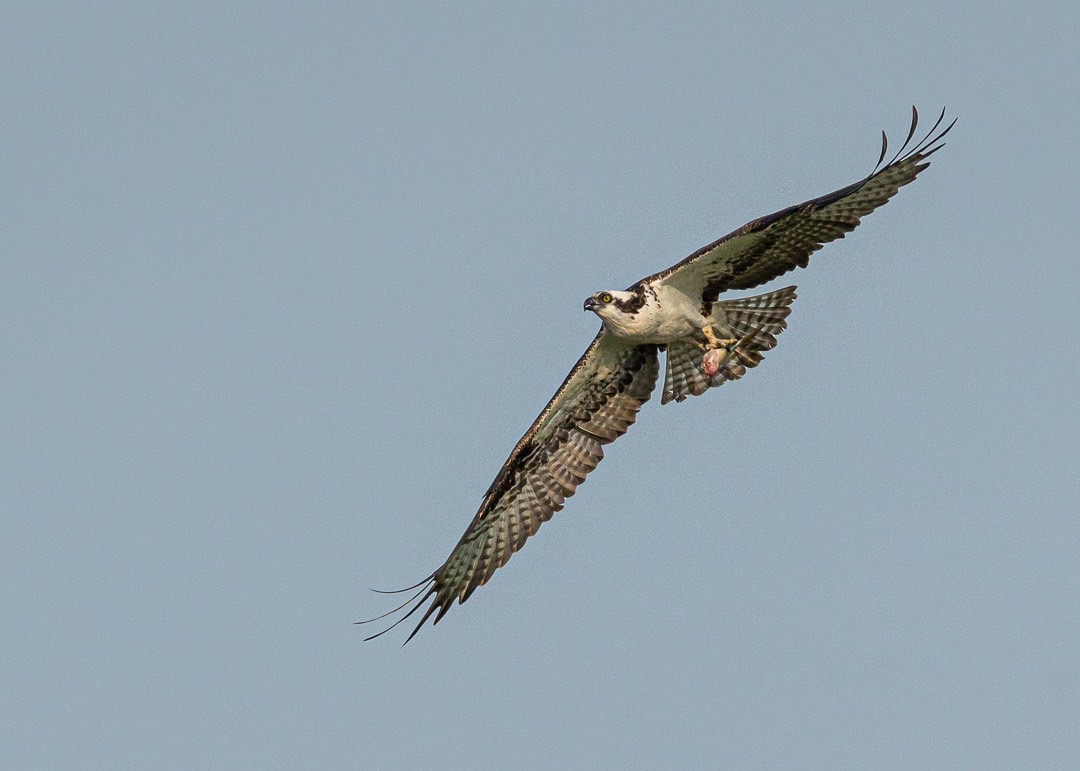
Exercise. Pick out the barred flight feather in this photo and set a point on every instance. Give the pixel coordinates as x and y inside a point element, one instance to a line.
<point>600,398</point>
<point>770,246</point>
<point>753,321</point>
<point>596,404</point>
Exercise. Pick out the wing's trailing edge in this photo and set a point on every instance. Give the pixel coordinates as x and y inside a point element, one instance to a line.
<point>600,397</point>
<point>770,246</point>
<point>595,405</point>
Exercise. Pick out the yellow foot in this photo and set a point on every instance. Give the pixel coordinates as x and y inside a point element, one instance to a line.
<point>713,342</point>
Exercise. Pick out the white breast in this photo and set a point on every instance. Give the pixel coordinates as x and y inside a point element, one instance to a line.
<point>667,315</point>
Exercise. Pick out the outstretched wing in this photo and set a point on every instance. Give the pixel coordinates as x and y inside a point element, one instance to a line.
<point>595,405</point>
<point>768,247</point>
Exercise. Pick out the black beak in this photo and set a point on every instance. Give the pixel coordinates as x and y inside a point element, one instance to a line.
<point>591,304</point>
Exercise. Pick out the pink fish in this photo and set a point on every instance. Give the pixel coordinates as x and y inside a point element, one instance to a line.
<point>712,360</point>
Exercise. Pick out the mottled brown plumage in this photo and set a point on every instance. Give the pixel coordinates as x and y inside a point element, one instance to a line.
<point>677,311</point>
<point>770,246</point>
<point>594,406</point>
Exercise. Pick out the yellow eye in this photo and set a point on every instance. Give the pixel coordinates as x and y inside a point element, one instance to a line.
<point>605,298</point>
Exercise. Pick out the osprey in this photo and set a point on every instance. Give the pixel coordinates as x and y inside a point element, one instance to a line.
<point>707,342</point>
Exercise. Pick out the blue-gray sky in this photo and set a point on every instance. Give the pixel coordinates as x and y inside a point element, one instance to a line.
<point>283,286</point>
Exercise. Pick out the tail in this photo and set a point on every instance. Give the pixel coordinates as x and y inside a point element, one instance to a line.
<point>753,321</point>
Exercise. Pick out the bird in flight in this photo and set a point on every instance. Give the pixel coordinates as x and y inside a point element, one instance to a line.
<point>706,341</point>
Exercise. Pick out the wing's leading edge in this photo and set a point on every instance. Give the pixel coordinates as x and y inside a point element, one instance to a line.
<point>600,397</point>
<point>595,405</point>
<point>770,246</point>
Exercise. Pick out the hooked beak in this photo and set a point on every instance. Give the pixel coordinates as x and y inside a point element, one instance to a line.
<point>591,304</point>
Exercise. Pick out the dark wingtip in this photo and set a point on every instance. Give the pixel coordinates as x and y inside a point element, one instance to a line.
<point>907,140</point>
<point>925,147</point>
<point>431,609</point>
<point>406,589</point>
<point>390,612</point>
<point>426,589</point>
<point>932,142</point>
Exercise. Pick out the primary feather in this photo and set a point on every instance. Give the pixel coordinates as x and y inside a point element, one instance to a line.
<point>677,311</point>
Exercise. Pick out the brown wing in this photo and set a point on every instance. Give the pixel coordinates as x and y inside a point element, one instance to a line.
<point>595,405</point>
<point>768,247</point>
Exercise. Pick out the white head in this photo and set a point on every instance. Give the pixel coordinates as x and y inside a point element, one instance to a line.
<point>611,304</point>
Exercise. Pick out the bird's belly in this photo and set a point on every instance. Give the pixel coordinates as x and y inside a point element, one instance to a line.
<point>666,330</point>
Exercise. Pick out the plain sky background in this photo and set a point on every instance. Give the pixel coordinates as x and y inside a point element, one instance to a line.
<point>282,286</point>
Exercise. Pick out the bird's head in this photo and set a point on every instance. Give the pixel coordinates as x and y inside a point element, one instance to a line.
<point>608,303</point>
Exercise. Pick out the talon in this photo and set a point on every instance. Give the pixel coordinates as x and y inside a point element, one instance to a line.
<point>713,342</point>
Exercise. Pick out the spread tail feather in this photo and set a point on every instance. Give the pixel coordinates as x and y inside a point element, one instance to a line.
<point>753,321</point>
